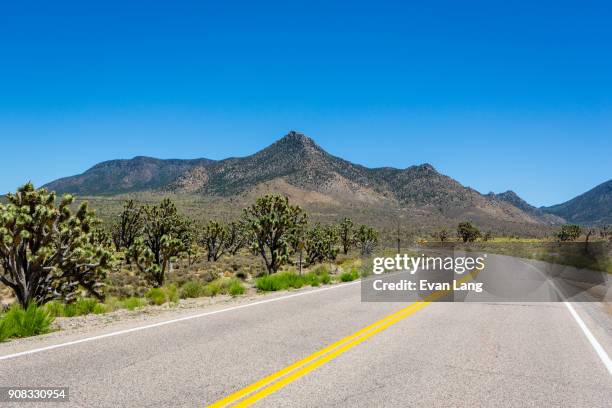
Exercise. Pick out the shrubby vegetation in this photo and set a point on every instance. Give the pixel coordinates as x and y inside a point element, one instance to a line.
<point>58,261</point>
<point>48,252</point>
<point>20,322</point>
<point>569,232</point>
<point>271,223</point>
<point>467,232</point>
<point>163,238</point>
<point>366,239</point>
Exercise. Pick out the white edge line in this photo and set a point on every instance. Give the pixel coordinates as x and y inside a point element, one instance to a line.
<point>605,359</point>
<point>601,352</point>
<point>166,322</point>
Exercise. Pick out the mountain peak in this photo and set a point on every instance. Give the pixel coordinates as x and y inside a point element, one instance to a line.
<point>510,194</point>
<point>297,139</point>
<point>294,146</point>
<point>592,207</point>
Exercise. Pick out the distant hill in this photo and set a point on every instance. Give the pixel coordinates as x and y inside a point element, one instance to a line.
<point>512,198</point>
<point>124,176</point>
<point>592,208</point>
<point>299,168</point>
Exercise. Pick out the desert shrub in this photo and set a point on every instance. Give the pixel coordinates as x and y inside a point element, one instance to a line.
<point>324,278</point>
<point>79,308</point>
<point>349,276</point>
<point>132,303</point>
<point>32,321</point>
<point>54,308</point>
<point>278,281</point>
<point>212,289</point>
<point>286,280</point>
<point>191,289</point>
<point>83,307</point>
<point>242,274</point>
<point>236,288</point>
<point>321,269</point>
<point>172,294</point>
<point>112,303</point>
<point>157,296</point>
<point>322,272</point>
<point>4,330</point>
<point>224,286</point>
<point>312,279</point>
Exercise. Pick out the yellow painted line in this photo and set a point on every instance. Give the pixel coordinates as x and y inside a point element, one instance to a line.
<point>305,370</point>
<point>317,359</point>
<point>273,377</point>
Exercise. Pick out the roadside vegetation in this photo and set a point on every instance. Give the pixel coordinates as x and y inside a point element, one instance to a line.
<point>572,245</point>
<point>58,261</point>
<point>19,322</point>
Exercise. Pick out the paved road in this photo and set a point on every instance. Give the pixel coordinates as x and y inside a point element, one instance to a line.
<point>445,354</point>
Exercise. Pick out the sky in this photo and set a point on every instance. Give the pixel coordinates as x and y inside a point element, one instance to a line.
<point>498,96</point>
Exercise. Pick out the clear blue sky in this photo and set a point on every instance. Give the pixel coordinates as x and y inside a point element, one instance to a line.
<point>498,96</point>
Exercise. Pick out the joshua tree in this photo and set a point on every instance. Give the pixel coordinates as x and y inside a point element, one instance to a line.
<point>237,237</point>
<point>320,244</point>
<point>442,235</point>
<point>271,222</point>
<point>162,241</point>
<point>129,226</point>
<point>214,238</point>
<point>47,251</point>
<point>366,239</point>
<point>189,238</point>
<point>569,232</point>
<point>347,235</point>
<point>467,232</point>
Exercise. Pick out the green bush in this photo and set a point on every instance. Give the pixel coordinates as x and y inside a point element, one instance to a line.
<point>325,278</point>
<point>112,303</point>
<point>236,288</point>
<point>157,296</point>
<point>349,276</point>
<point>81,307</point>
<point>212,289</point>
<point>321,270</point>
<point>54,308</point>
<point>286,280</point>
<point>4,330</point>
<point>132,303</point>
<point>312,279</point>
<point>18,322</point>
<point>171,292</point>
<point>192,289</point>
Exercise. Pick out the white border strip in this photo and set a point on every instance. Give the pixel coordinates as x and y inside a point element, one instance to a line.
<point>605,359</point>
<point>601,352</point>
<point>166,322</point>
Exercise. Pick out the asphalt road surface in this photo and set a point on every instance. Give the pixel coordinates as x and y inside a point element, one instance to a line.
<point>439,354</point>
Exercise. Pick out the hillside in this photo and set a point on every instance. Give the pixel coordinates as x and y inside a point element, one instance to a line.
<point>125,176</point>
<point>593,207</point>
<point>512,198</point>
<point>299,168</point>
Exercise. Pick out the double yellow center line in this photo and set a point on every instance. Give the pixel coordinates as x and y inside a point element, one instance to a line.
<point>280,379</point>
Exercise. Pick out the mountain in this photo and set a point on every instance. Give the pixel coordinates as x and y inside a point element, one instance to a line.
<point>124,176</point>
<point>512,198</point>
<point>298,167</point>
<point>592,208</point>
